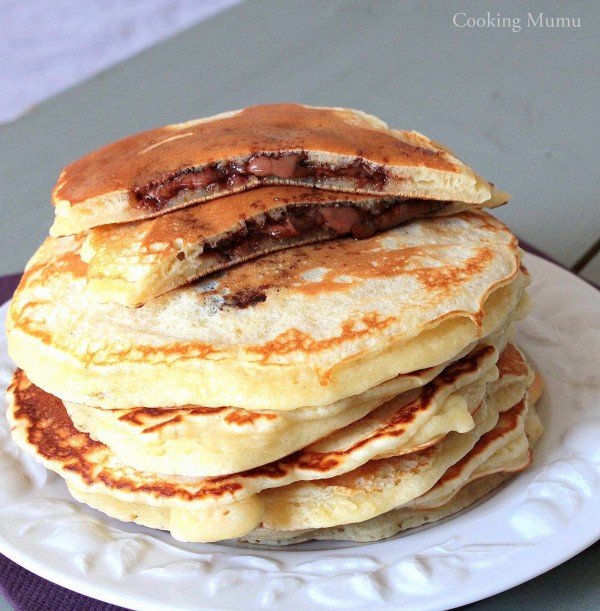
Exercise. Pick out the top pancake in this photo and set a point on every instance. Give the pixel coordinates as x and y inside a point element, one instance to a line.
<point>150,173</point>
<point>305,326</point>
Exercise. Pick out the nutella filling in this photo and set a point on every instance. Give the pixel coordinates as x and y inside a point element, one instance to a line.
<point>306,222</point>
<point>231,175</point>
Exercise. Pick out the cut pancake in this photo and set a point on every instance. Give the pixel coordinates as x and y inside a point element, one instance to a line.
<point>340,479</point>
<point>209,442</point>
<point>332,148</point>
<point>132,263</point>
<point>307,326</point>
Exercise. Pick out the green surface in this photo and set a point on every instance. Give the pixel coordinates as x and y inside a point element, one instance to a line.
<point>520,107</point>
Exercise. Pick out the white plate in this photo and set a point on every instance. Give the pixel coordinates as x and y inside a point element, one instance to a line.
<point>541,518</point>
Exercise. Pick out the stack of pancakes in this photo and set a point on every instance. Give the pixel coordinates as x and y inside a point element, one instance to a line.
<point>279,324</point>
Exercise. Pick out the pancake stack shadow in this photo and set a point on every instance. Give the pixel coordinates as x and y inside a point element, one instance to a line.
<point>274,325</point>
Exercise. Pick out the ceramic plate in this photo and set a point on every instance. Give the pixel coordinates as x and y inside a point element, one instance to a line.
<point>537,520</point>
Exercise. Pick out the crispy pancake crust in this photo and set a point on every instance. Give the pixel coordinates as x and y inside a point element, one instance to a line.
<point>305,326</point>
<point>100,188</point>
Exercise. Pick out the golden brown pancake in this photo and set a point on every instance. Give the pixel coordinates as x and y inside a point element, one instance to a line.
<point>341,388</point>
<point>306,326</point>
<point>387,460</point>
<point>498,454</point>
<point>131,263</point>
<point>513,369</point>
<point>385,525</point>
<point>332,148</point>
<point>382,483</point>
<point>208,442</point>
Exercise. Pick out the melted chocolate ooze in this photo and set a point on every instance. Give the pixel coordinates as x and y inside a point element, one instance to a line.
<point>231,175</point>
<point>337,220</point>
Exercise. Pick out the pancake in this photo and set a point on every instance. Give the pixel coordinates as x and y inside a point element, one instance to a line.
<point>337,149</point>
<point>513,368</point>
<point>385,525</point>
<point>211,509</point>
<point>497,455</point>
<point>504,448</point>
<point>306,326</point>
<point>208,442</point>
<point>377,486</point>
<point>131,263</point>
<point>278,323</point>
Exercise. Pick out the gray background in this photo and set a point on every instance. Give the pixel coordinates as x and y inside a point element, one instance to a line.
<point>520,107</point>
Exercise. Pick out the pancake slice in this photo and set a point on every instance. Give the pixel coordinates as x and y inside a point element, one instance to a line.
<point>306,326</point>
<point>331,148</point>
<point>131,263</point>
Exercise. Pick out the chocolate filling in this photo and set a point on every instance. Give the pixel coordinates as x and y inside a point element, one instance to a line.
<point>156,195</point>
<point>306,222</point>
